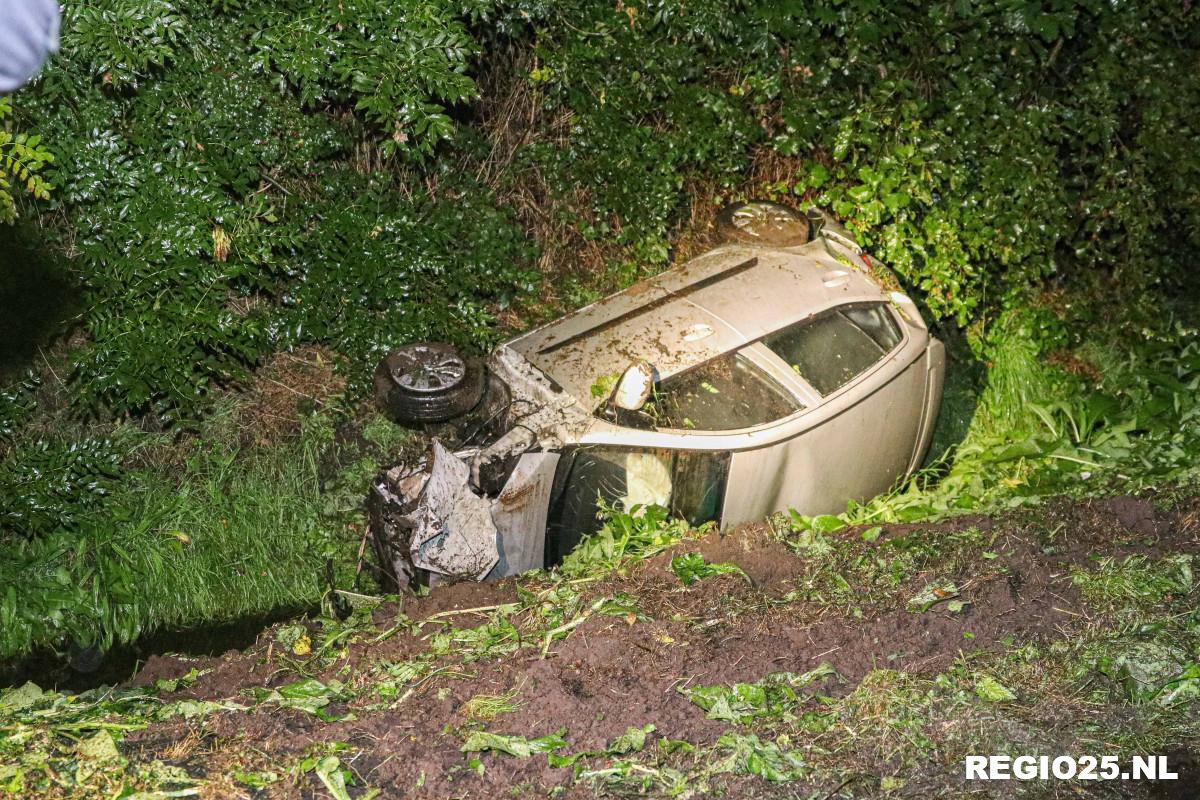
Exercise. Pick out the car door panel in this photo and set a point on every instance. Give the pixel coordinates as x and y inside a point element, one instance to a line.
<point>855,452</point>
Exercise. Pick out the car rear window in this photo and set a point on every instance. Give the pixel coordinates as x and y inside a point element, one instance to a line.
<point>724,394</point>
<point>834,348</point>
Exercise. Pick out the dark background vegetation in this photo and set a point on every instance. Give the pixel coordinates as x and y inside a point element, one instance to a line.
<point>250,202</point>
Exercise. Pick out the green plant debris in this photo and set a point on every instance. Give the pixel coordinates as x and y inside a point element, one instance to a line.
<point>604,385</point>
<point>1151,671</point>
<point>519,746</point>
<point>639,532</point>
<point>774,696</point>
<point>486,707</point>
<point>309,695</point>
<point>632,741</point>
<point>1135,581</point>
<point>992,690</point>
<point>692,567</point>
<point>332,773</point>
<point>933,593</point>
<point>747,755</point>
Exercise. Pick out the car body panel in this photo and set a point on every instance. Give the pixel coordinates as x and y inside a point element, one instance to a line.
<point>854,450</point>
<point>519,512</point>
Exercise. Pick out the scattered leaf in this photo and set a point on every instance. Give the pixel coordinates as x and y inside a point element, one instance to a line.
<point>990,689</point>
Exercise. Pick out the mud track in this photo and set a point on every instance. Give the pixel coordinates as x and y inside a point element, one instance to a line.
<point>614,672</point>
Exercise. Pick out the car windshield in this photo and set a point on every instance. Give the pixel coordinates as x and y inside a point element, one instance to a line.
<point>832,349</point>
<point>724,394</point>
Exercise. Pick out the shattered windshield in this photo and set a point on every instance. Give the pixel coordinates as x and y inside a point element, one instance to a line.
<point>724,394</point>
<point>834,348</point>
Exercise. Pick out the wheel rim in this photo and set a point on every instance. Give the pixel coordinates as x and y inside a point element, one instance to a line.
<point>429,369</point>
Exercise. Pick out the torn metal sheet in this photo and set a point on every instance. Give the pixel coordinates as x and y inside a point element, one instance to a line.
<point>453,531</point>
<point>390,503</point>
<point>520,514</point>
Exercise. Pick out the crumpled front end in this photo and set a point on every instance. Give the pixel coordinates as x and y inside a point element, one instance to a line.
<point>478,513</point>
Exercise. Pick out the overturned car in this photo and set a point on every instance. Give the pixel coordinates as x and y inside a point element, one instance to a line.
<point>779,370</point>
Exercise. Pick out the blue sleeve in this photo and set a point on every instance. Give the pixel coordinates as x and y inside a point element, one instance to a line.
<point>28,35</point>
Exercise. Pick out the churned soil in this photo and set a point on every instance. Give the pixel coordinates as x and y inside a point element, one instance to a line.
<point>614,672</point>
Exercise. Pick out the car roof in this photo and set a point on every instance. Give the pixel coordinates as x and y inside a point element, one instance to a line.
<point>680,318</point>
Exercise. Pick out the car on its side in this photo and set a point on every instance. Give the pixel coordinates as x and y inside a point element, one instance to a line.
<point>781,370</point>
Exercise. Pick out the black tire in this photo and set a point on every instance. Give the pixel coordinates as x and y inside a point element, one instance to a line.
<point>763,222</point>
<point>427,383</point>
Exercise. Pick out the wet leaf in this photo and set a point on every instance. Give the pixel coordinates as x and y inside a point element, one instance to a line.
<point>741,703</point>
<point>1183,688</point>
<point>100,748</point>
<point>310,695</point>
<point>22,697</point>
<point>931,595</point>
<point>255,780</point>
<point>632,741</point>
<point>751,756</point>
<point>518,746</point>
<point>330,772</point>
<point>692,567</point>
<point>990,689</point>
<point>1151,672</point>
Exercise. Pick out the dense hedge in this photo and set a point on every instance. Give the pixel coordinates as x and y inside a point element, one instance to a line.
<point>235,177</point>
<point>218,201</point>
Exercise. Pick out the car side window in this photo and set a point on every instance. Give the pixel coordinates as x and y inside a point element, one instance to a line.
<point>724,394</point>
<point>834,348</point>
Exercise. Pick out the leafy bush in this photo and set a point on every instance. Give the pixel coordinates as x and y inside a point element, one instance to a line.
<point>977,148</point>
<point>217,207</point>
<point>216,159</point>
<point>48,484</point>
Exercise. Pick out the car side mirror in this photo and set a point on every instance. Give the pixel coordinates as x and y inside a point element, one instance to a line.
<point>634,387</point>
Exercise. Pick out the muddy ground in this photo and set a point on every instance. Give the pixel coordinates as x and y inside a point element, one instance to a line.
<point>614,672</point>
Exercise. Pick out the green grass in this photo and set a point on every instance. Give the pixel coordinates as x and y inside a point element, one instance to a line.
<point>1135,582</point>
<point>486,707</point>
<point>1034,430</point>
<point>228,533</point>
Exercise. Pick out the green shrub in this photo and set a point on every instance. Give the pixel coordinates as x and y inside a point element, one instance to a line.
<point>211,183</point>
<point>217,157</point>
<point>977,148</point>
